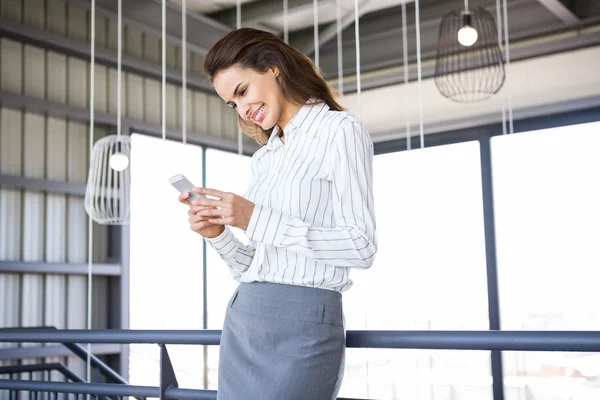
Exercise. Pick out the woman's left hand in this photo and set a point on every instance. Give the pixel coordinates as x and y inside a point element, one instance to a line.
<point>228,209</point>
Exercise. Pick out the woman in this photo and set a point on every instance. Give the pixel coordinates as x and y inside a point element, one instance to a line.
<point>308,215</point>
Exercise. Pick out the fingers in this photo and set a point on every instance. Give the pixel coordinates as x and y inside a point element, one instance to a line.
<point>183,198</point>
<point>196,209</point>
<point>213,193</point>
<point>208,202</point>
<point>198,226</point>
<point>214,212</point>
<point>221,221</point>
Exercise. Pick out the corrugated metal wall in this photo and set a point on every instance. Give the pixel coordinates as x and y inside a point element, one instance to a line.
<point>46,227</point>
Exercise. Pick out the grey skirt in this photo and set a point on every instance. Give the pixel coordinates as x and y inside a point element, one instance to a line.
<point>281,342</point>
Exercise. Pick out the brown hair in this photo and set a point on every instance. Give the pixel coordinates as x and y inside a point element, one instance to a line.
<point>299,78</point>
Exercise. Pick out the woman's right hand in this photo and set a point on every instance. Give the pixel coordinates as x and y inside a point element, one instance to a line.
<point>198,223</point>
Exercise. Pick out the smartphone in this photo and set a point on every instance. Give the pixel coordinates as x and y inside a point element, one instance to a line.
<point>181,183</point>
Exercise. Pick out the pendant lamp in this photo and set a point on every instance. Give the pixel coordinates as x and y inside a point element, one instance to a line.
<point>107,194</point>
<point>469,65</point>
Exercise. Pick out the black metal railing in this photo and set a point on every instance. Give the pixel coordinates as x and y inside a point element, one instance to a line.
<point>565,341</point>
<point>43,370</point>
<point>80,352</point>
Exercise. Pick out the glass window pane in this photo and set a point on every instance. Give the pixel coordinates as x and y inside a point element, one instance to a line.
<point>228,172</point>
<point>429,273</point>
<point>166,258</point>
<point>546,194</point>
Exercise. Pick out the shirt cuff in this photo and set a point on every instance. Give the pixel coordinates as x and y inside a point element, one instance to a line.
<point>223,243</point>
<point>267,225</point>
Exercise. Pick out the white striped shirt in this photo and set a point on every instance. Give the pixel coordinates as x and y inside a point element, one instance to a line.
<point>314,217</point>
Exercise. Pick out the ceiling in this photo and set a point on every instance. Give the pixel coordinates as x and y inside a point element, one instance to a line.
<point>536,28</point>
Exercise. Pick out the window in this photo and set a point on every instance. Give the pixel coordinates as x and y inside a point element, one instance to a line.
<point>429,273</point>
<point>166,258</point>
<point>228,172</point>
<point>547,197</point>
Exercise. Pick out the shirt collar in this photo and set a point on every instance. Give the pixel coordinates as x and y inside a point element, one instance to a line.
<point>306,120</point>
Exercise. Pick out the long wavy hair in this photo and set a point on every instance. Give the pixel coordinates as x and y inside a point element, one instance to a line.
<point>299,78</point>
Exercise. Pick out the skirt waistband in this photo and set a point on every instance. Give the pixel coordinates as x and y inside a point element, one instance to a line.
<point>291,293</point>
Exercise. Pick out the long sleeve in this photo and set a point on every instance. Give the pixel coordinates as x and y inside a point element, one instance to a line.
<point>236,255</point>
<point>352,240</point>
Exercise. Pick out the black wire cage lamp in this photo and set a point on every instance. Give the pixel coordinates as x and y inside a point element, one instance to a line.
<point>469,66</point>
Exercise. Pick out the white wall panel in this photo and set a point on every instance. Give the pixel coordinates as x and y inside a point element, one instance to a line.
<point>172,105</point>
<point>77,230</point>
<point>196,64</point>
<point>112,34</point>
<point>11,141</point>
<point>135,96</point>
<point>12,10</point>
<point>152,101</point>
<point>77,233</point>
<point>34,13</point>
<point>101,88</point>
<point>11,65</point>
<point>152,49</point>
<point>32,285</point>
<point>190,109</point>
<point>57,77</point>
<point>56,225</point>
<point>77,82</point>
<point>101,27</point>
<point>173,56</point>
<point>215,117</point>
<point>34,69</point>
<point>199,112</point>
<point>77,222</point>
<point>78,149</point>
<point>10,216</point>
<point>34,142</point>
<point>99,301</point>
<point>133,42</point>
<point>56,16</point>
<point>77,26</point>
<point>229,123</point>
<point>112,92</point>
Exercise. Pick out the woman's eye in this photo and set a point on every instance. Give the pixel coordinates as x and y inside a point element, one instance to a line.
<point>243,92</point>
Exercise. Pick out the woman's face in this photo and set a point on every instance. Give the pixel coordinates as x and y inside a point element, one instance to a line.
<point>257,97</point>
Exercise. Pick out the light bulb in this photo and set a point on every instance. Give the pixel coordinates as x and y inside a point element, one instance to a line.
<point>467,35</point>
<point>118,161</point>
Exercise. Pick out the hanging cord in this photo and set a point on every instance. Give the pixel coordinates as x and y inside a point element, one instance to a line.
<point>316,30</point>
<point>238,23</point>
<point>184,98</point>
<point>419,89</point>
<point>90,221</point>
<point>164,69</point>
<point>286,29</point>
<point>499,19</point>
<point>405,58</point>
<point>119,60</point>
<point>507,50</point>
<point>340,59</point>
<point>357,39</point>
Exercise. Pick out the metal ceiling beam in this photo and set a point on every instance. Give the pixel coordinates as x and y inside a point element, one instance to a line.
<point>202,31</point>
<point>331,31</point>
<point>258,11</point>
<point>561,11</point>
<point>521,48</point>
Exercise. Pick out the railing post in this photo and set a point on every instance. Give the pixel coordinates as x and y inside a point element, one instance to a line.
<point>167,374</point>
